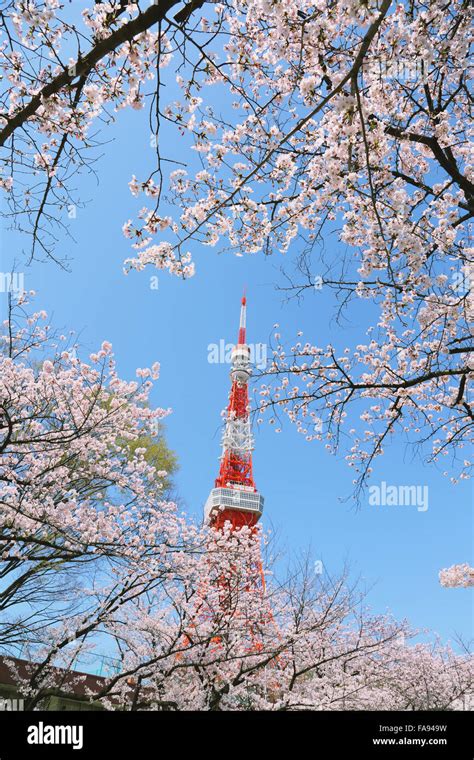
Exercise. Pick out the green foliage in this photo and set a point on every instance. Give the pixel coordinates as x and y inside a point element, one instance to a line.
<point>157,454</point>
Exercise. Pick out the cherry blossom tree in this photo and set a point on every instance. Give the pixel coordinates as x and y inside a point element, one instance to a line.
<point>209,640</point>
<point>62,76</point>
<point>457,576</point>
<point>81,507</point>
<point>348,119</point>
<point>321,649</point>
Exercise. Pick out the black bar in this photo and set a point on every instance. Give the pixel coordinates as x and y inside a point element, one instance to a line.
<point>157,734</point>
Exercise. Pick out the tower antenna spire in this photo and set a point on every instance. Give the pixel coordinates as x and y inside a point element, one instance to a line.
<point>243,320</point>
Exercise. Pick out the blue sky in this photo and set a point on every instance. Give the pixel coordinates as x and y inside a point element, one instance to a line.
<point>396,551</point>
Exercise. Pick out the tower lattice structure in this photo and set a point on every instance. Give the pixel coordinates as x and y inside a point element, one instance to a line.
<point>233,505</point>
<point>234,497</point>
<point>234,501</point>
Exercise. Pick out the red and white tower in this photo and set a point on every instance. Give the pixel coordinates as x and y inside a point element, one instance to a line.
<point>235,500</point>
<point>234,497</point>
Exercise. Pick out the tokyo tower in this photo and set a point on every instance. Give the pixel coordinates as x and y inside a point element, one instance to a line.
<point>234,497</point>
<point>235,500</point>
